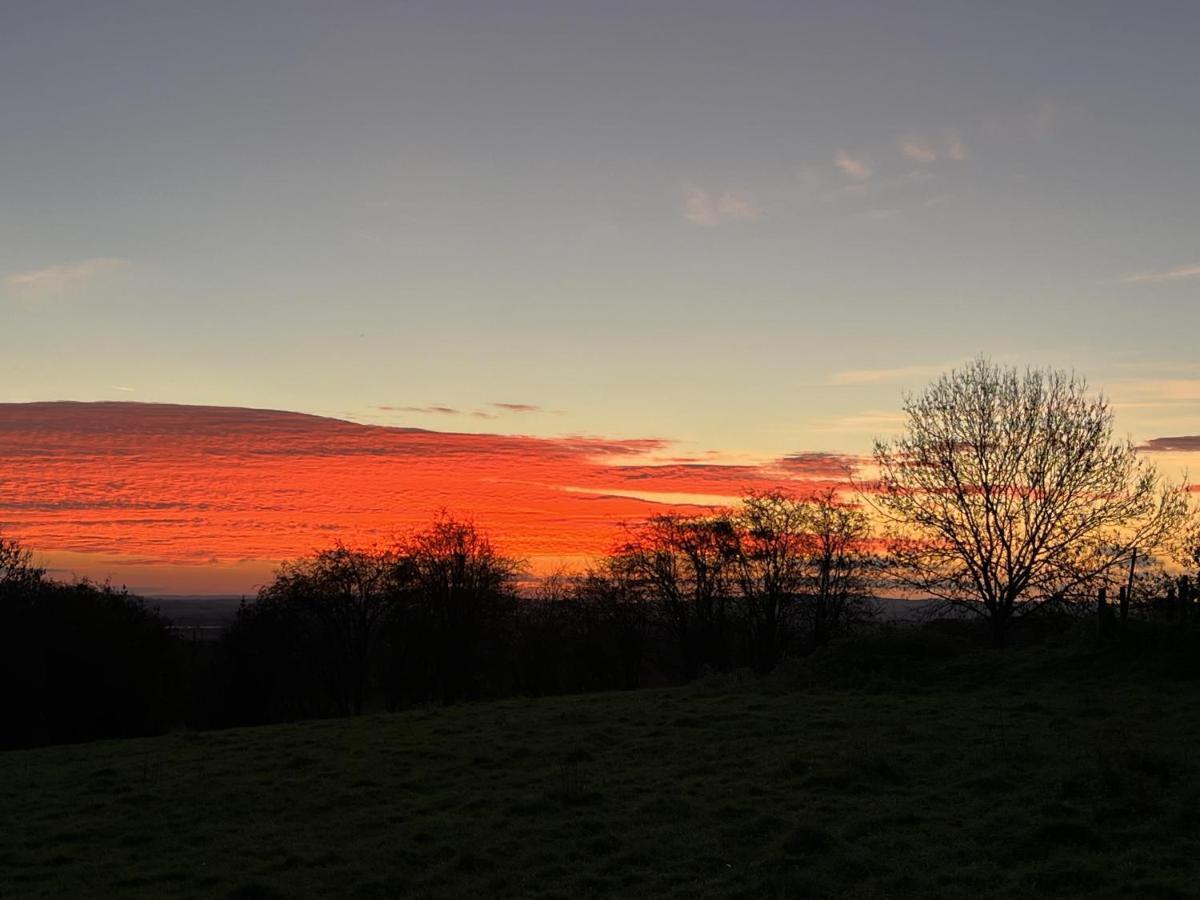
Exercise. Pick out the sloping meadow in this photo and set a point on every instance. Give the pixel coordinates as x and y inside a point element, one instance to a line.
<point>980,774</point>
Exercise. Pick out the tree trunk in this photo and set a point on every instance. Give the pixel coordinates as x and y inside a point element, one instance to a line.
<point>999,629</point>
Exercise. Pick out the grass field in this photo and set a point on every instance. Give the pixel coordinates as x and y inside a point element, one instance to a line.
<point>986,775</point>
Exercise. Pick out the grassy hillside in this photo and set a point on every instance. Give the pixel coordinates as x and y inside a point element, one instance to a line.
<point>986,775</point>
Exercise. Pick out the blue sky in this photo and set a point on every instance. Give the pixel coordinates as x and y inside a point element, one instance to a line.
<point>746,227</point>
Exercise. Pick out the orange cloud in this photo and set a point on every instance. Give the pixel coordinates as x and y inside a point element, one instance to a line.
<point>517,407</point>
<point>64,277</point>
<point>1186,443</point>
<point>702,208</point>
<point>162,485</point>
<point>855,166</point>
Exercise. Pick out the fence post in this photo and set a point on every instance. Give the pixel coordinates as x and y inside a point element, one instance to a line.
<point>1185,597</point>
<point>1123,599</point>
<point>1101,610</point>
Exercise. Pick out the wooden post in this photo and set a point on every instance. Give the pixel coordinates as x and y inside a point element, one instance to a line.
<point>1123,599</point>
<point>1185,597</point>
<point>1101,610</point>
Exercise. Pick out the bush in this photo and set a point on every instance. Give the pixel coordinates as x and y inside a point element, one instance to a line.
<point>83,661</point>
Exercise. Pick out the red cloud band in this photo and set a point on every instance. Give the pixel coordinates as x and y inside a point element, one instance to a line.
<point>185,484</point>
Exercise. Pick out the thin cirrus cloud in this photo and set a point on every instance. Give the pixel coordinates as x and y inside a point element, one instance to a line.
<point>438,409</point>
<point>65,277</point>
<point>885,376</point>
<point>433,409</point>
<point>517,407</point>
<point>1179,273</point>
<point>857,167</point>
<point>708,209</point>
<point>186,485</point>
<point>1148,392</point>
<point>1184,443</point>
<point>927,149</point>
<point>871,422</point>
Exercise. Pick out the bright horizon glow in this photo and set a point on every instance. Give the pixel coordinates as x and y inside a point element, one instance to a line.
<point>177,499</point>
<point>172,499</point>
<point>742,232</point>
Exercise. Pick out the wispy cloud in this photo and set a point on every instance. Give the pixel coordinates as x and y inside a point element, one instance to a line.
<point>817,464</point>
<point>1145,392</point>
<point>1179,273</point>
<point>700,207</point>
<point>871,422</point>
<point>438,409</point>
<point>517,407</point>
<point>55,279</point>
<point>918,150</point>
<point>434,409</point>
<point>858,167</point>
<point>1185,443</point>
<point>896,184</point>
<point>883,376</point>
<point>931,149</point>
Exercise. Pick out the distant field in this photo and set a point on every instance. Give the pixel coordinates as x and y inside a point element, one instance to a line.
<point>985,776</point>
<point>206,616</point>
<point>210,614</point>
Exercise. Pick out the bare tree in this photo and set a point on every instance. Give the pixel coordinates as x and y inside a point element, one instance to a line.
<point>835,589</point>
<point>462,585</point>
<point>771,562</point>
<point>685,563</point>
<point>1191,544</point>
<point>350,593</point>
<point>611,606</point>
<point>1008,489</point>
<point>17,570</point>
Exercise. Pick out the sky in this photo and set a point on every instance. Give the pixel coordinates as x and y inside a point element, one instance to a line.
<point>739,230</point>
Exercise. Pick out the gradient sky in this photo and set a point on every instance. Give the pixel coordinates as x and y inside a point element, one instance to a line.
<point>742,228</point>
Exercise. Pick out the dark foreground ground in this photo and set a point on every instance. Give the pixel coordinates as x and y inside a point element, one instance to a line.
<point>1056,772</point>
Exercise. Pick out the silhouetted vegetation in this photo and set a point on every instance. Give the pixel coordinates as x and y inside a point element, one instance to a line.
<point>1006,496</point>
<point>1008,491</point>
<point>79,661</point>
<point>817,750</point>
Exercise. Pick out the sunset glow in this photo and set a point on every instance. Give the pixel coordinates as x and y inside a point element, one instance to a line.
<point>210,498</point>
<point>555,266</point>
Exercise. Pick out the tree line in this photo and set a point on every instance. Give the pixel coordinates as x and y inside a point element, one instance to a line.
<point>439,616</point>
<point>1006,494</point>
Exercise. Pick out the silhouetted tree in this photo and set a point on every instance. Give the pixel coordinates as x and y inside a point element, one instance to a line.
<point>612,612</point>
<point>462,589</point>
<point>350,594</point>
<point>1008,489</point>
<point>685,563</point>
<point>78,661</point>
<point>273,664</point>
<point>772,546</point>
<point>581,631</point>
<point>834,587</point>
<point>17,570</point>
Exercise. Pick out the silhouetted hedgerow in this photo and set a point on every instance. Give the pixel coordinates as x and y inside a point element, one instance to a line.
<point>81,661</point>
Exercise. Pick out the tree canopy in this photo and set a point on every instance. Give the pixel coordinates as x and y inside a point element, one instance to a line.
<point>1009,488</point>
